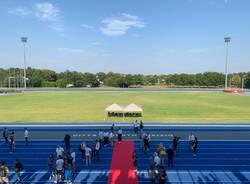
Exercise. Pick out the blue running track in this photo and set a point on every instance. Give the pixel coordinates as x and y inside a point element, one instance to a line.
<point>216,162</point>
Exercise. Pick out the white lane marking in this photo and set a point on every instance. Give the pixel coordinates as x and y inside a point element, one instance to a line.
<point>148,125</point>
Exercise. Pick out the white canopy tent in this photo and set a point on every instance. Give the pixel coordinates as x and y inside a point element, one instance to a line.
<point>114,108</point>
<point>131,110</point>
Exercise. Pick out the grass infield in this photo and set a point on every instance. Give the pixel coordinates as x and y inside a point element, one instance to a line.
<point>157,106</point>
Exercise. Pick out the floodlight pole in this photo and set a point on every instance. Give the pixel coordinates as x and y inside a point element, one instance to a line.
<point>123,80</point>
<point>242,83</point>
<point>227,40</point>
<point>24,40</point>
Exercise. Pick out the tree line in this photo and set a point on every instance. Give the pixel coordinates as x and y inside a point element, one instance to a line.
<point>13,77</point>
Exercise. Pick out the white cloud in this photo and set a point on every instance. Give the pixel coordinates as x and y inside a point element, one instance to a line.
<point>196,50</point>
<point>20,11</point>
<point>49,13</point>
<point>45,12</point>
<point>118,26</point>
<point>71,50</point>
<point>87,26</point>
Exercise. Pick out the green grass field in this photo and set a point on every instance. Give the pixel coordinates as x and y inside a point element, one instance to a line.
<point>157,106</point>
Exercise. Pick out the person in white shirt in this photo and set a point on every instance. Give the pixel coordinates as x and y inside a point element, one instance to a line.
<point>119,135</point>
<point>97,149</point>
<point>73,155</point>
<point>26,136</point>
<point>191,139</point>
<point>111,138</point>
<point>136,127</point>
<point>59,169</point>
<point>81,148</point>
<point>59,151</point>
<point>88,155</point>
<point>100,135</point>
<point>105,134</point>
<point>157,160</point>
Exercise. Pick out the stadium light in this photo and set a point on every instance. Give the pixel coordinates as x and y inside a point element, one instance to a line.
<point>24,40</point>
<point>227,40</point>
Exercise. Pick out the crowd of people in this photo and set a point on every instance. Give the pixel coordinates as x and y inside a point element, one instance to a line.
<point>61,163</point>
<point>9,141</point>
<point>4,171</point>
<point>157,160</point>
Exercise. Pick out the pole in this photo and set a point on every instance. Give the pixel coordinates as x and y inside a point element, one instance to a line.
<point>226,64</point>
<point>24,70</point>
<point>14,78</point>
<point>9,77</point>
<point>242,84</point>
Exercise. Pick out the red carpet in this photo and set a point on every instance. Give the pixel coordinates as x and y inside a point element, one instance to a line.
<point>121,169</point>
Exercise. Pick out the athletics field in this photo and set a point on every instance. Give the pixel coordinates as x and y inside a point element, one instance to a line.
<point>72,106</point>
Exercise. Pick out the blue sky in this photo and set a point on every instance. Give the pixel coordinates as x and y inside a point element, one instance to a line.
<point>128,36</point>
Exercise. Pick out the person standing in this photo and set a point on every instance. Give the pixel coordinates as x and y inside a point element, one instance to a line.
<point>105,139</point>
<point>100,136</point>
<point>112,128</point>
<point>51,161</point>
<point>6,135</point>
<point>59,151</point>
<point>162,152</point>
<point>136,127</point>
<point>111,138</point>
<point>191,139</point>
<point>26,136</point>
<point>73,155</point>
<point>18,169</point>
<point>120,135</point>
<point>81,148</point>
<point>4,170</point>
<point>67,142</point>
<point>194,146</point>
<point>135,159</point>
<point>68,174</point>
<point>93,153</point>
<point>59,169</point>
<point>151,171</point>
<point>12,142</point>
<point>170,152</point>
<point>162,175</point>
<point>175,143</point>
<point>157,161</point>
<point>69,159</point>
<point>97,149</point>
<point>145,143</point>
<point>88,155</point>
<point>141,125</point>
